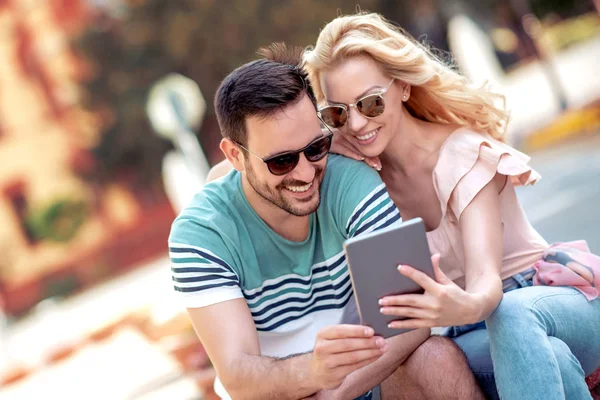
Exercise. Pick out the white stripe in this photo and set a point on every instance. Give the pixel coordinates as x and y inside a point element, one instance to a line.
<point>210,297</point>
<point>362,203</point>
<point>294,303</point>
<point>291,297</point>
<point>374,216</point>
<point>282,278</point>
<point>296,285</point>
<point>225,272</point>
<point>203,283</point>
<point>383,222</point>
<point>298,313</point>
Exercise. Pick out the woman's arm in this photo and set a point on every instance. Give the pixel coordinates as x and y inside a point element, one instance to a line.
<point>444,303</point>
<point>481,229</point>
<point>219,170</point>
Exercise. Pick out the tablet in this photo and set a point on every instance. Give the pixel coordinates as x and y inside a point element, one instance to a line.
<point>373,259</point>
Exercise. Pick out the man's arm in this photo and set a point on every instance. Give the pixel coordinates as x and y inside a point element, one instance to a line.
<point>361,381</point>
<point>229,336</point>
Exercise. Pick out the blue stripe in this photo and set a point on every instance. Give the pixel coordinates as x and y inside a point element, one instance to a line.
<point>390,221</point>
<point>390,209</point>
<point>201,270</point>
<point>203,254</point>
<point>205,287</point>
<point>303,281</point>
<point>319,308</point>
<point>298,300</point>
<point>364,207</point>
<point>204,278</point>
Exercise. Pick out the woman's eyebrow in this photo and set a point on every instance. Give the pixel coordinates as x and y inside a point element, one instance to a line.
<point>359,96</point>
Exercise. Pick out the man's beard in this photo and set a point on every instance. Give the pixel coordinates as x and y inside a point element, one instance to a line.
<point>276,195</point>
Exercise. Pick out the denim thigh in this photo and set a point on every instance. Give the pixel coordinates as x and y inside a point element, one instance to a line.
<point>474,341</point>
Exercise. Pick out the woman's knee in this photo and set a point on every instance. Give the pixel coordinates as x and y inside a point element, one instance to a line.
<point>567,362</point>
<point>516,307</point>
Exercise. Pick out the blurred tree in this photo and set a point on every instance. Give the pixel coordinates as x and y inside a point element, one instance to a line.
<point>205,40</point>
<point>202,39</point>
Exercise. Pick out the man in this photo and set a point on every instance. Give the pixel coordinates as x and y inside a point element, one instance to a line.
<point>257,257</point>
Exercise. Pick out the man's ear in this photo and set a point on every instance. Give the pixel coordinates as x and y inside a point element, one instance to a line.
<point>233,152</point>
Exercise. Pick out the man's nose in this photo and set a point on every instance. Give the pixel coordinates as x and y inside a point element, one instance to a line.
<point>304,171</point>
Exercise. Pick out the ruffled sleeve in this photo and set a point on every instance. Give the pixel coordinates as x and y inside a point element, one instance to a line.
<point>468,161</point>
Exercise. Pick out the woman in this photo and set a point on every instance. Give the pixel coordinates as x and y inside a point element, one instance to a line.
<point>437,142</point>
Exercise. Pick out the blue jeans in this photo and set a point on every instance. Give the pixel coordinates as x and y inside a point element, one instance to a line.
<point>543,342</point>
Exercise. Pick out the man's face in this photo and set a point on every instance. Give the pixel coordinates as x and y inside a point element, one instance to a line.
<point>297,192</point>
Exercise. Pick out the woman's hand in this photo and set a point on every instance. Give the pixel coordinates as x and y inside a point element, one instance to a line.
<point>443,304</point>
<point>341,145</point>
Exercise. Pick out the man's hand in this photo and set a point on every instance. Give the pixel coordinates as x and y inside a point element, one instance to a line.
<point>342,349</point>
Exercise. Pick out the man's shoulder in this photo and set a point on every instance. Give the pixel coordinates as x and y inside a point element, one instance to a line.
<point>341,169</point>
<point>208,213</point>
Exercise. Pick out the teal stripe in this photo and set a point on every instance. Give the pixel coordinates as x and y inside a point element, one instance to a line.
<point>305,290</point>
<point>195,260</point>
<point>342,271</point>
<point>373,211</point>
<point>283,292</point>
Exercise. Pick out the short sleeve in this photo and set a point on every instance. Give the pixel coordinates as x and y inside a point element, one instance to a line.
<point>359,197</point>
<point>201,269</point>
<point>468,161</point>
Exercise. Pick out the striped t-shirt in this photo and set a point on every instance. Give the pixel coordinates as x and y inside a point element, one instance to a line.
<point>221,249</point>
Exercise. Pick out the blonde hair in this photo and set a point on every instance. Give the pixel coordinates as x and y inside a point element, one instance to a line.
<point>438,93</point>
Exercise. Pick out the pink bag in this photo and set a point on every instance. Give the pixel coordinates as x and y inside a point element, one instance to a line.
<point>570,264</point>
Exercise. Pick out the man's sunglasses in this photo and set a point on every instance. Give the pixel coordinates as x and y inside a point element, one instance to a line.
<point>371,106</point>
<point>285,163</point>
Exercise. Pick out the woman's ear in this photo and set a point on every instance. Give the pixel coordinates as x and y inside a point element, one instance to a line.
<point>405,91</point>
<point>233,153</point>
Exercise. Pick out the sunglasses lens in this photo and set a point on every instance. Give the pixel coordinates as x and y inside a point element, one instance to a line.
<point>283,164</point>
<point>371,106</point>
<point>335,117</point>
<point>318,149</point>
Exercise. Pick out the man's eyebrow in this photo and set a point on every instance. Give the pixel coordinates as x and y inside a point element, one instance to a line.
<point>293,151</point>
<point>359,96</point>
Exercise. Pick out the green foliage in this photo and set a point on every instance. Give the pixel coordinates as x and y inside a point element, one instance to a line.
<point>57,222</point>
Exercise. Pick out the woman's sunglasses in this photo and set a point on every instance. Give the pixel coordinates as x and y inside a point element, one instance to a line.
<point>285,163</point>
<point>371,106</point>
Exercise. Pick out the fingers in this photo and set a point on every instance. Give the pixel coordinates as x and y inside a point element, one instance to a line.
<point>408,300</point>
<point>373,162</point>
<point>345,345</point>
<point>341,146</point>
<point>347,370</point>
<point>437,271</point>
<point>420,278</point>
<point>409,312</point>
<point>344,331</point>
<point>412,324</point>
<point>354,357</point>
<point>341,349</point>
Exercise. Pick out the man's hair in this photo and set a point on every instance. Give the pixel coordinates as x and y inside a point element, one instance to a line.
<point>261,88</point>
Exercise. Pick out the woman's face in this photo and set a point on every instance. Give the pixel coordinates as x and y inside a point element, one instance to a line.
<point>351,80</point>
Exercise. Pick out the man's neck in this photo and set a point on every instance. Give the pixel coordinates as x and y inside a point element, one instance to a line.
<point>283,223</point>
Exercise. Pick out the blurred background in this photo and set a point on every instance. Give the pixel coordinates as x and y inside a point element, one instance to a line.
<point>107,129</point>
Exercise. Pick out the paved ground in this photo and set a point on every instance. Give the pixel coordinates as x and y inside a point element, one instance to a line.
<point>565,204</point>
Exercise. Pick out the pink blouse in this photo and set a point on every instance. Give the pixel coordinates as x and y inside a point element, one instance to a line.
<point>467,162</point>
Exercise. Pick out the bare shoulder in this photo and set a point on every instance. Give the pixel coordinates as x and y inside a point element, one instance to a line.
<point>219,170</point>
